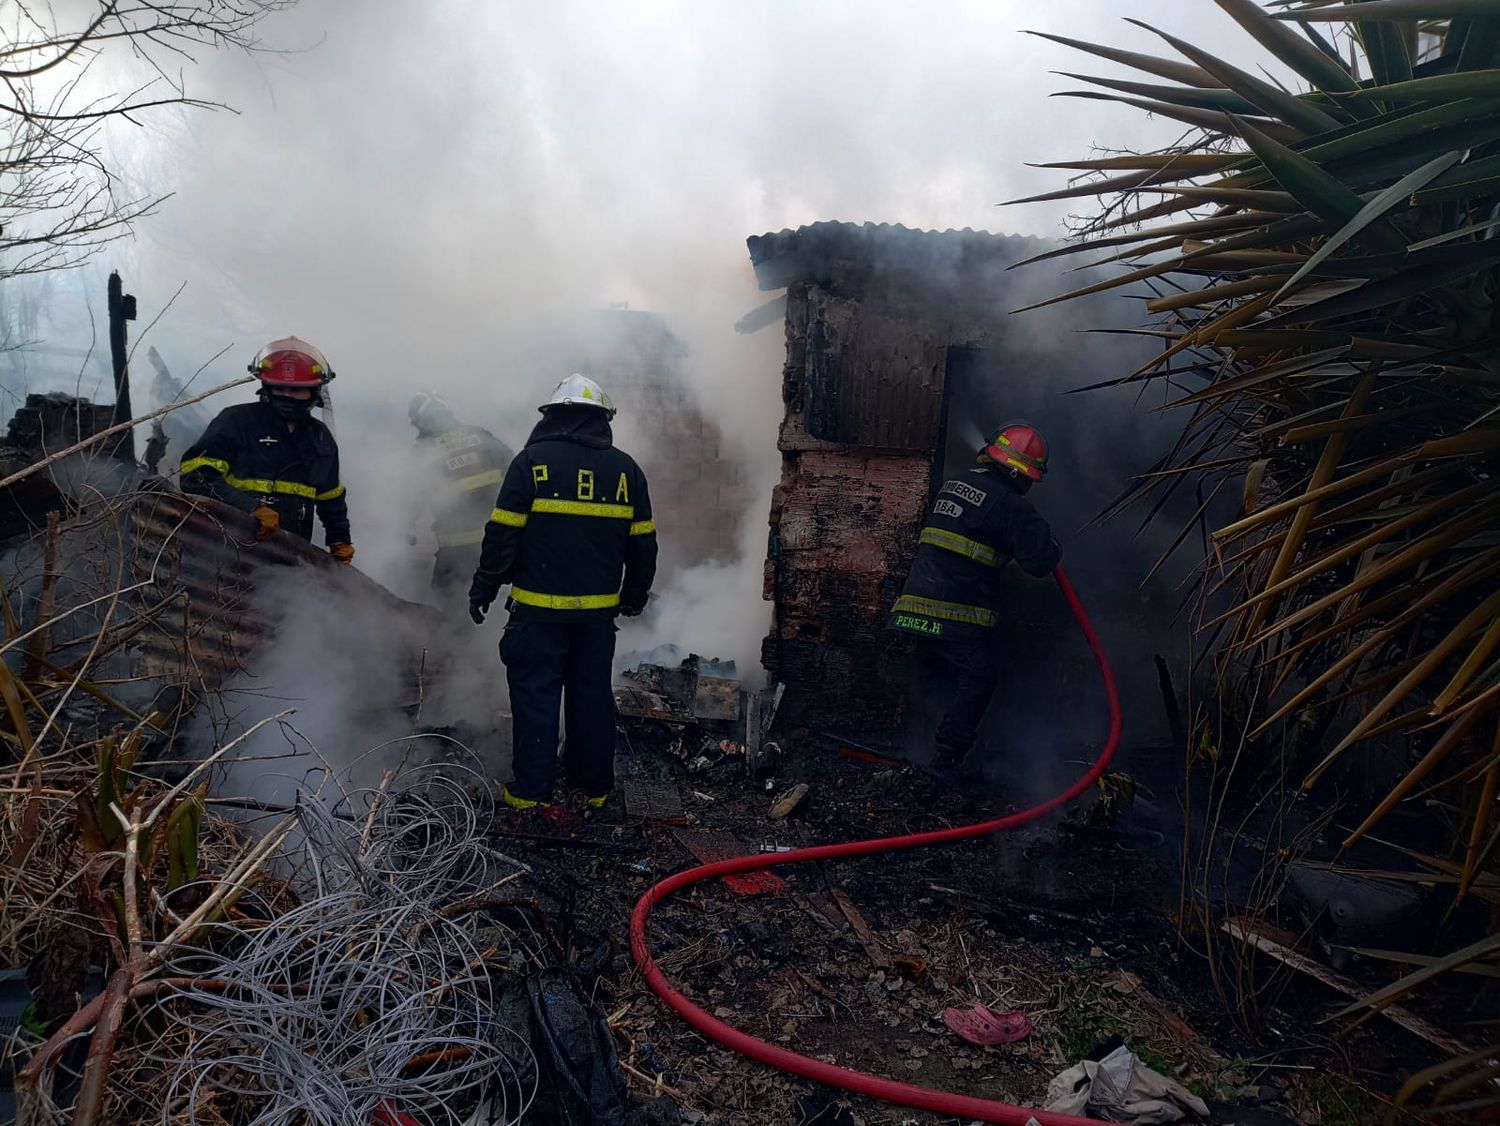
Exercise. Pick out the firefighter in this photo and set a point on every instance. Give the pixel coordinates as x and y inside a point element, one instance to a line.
<point>979,522</point>
<point>467,464</point>
<point>572,534</point>
<point>271,458</point>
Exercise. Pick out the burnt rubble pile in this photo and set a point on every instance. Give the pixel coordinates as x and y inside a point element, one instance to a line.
<point>43,425</point>
<point>46,423</point>
<point>698,713</point>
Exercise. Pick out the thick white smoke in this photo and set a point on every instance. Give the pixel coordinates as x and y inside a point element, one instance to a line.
<point>415,188</point>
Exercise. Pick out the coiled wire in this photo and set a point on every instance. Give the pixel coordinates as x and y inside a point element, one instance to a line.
<point>375,997</point>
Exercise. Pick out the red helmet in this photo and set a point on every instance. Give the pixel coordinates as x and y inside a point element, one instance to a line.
<point>1020,447</point>
<point>290,362</point>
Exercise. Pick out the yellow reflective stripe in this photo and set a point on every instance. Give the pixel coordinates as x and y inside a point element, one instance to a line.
<point>948,611</point>
<point>643,527</point>
<point>480,480</point>
<point>564,601</point>
<point>584,508</point>
<point>960,545</point>
<point>506,516</point>
<point>197,463</point>
<point>261,485</point>
<point>461,539</point>
<point>258,484</point>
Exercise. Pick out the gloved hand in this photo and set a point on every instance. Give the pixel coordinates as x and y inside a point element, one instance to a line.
<point>267,521</point>
<point>343,552</point>
<point>632,611</point>
<point>478,607</point>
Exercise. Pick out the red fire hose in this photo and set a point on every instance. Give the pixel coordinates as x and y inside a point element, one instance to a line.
<point>906,1094</point>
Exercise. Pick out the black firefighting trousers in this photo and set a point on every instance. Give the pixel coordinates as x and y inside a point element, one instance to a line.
<point>569,664</point>
<point>969,670</point>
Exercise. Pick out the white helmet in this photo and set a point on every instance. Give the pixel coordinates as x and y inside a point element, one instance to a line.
<point>426,405</point>
<point>579,390</point>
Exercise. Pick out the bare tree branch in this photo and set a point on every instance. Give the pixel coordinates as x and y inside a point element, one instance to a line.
<point>60,201</point>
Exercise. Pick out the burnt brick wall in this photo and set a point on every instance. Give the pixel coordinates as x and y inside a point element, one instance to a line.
<point>863,384</point>
<point>844,525</point>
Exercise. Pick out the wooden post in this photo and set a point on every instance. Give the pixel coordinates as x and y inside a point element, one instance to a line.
<point>121,309</point>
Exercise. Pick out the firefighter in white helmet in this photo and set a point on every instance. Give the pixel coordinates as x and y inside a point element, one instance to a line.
<point>272,458</point>
<point>573,536</point>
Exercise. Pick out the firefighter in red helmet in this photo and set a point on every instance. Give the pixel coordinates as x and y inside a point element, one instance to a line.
<point>272,458</point>
<point>979,522</point>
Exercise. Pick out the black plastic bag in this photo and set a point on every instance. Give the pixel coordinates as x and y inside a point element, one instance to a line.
<point>580,1071</point>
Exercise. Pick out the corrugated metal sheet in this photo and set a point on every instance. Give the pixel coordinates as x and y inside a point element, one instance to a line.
<point>832,253</point>
<point>871,378</point>
<point>204,554</point>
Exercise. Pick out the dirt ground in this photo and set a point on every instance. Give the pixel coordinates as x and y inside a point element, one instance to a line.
<point>854,962</point>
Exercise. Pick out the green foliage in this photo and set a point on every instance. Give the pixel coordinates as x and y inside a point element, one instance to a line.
<point>1324,263</point>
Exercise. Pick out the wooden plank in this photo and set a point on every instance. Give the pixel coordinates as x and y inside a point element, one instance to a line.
<point>639,703</point>
<point>862,930</point>
<point>717,697</point>
<point>1341,984</point>
<point>821,908</point>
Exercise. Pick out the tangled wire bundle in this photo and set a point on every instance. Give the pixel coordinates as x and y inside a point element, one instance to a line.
<point>371,1000</point>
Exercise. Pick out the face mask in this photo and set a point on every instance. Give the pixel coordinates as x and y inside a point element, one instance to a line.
<point>288,409</point>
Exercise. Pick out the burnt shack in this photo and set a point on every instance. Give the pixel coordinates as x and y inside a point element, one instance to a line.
<point>901,350</point>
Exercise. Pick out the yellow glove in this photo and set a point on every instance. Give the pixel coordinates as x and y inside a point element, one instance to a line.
<point>343,552</point>
<point>267,520</point>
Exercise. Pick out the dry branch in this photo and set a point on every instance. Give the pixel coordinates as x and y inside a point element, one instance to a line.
<point>1341,984</point>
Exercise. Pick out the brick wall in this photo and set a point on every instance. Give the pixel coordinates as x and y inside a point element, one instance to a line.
<point>846,514</point>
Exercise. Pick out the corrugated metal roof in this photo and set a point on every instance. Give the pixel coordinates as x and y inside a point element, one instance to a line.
<point>206,553</point>
<point>822,251</point>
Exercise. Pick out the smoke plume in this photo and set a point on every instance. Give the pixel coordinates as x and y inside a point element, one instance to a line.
<point>423,190</point>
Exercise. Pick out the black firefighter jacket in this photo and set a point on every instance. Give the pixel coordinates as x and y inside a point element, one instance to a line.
<point>977,525</point>
<point>467,464</point>
<point>247,457</point>
<point>571,531</point>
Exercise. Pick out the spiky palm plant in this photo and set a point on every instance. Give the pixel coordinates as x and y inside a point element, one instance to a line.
<point>1324,258</point>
